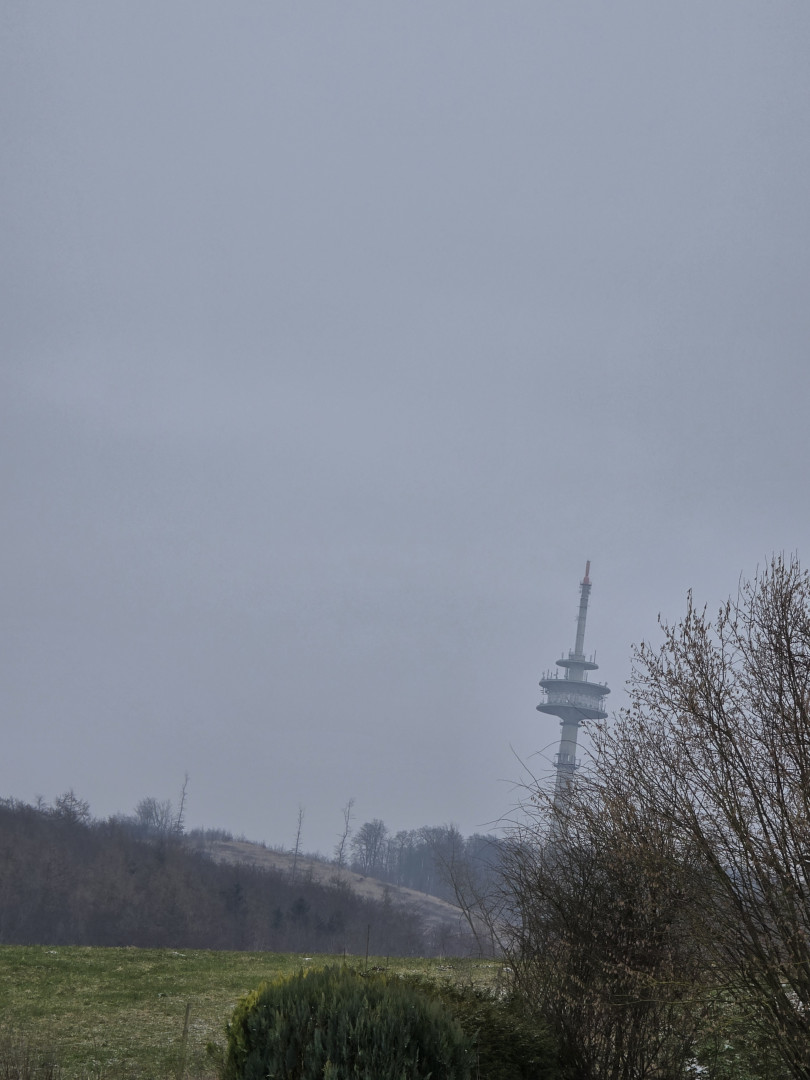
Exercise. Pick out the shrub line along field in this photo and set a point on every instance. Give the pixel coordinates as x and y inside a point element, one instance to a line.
<point>121,1012</point>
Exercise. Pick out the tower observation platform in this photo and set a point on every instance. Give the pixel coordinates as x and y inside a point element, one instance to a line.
<point>572,697</point>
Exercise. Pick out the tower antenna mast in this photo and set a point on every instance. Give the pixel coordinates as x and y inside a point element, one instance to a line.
<point>573,699</point>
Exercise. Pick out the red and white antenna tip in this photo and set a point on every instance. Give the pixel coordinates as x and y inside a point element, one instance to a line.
<point>586,580</point>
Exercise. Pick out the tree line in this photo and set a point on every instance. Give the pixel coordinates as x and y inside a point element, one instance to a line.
<point>427,859</point>
<point>423,859</point>
<point>66,878</point>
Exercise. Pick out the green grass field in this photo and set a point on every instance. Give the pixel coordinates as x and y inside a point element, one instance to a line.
<point>121,1013</point>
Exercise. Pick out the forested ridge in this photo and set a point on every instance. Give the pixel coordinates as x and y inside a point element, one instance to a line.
<point>67,879</point>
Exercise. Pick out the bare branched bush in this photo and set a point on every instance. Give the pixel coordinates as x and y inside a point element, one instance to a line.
<point>661,917</point>
<point>716,745</point>
<point>598,941</point>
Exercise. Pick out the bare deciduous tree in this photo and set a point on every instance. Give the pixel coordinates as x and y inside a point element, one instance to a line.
<point>596,938</point>
<point>156,817</point>
<point>369,844</point>
<point>716,745</point>
<point>476,882</point>
<point>661,918</point>
<point>340,847</point>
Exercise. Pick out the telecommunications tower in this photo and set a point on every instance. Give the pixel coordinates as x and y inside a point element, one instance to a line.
<point>571,697</point>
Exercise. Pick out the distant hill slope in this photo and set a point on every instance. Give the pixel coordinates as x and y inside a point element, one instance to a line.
<point>71,882</point>
<point>435,914</point>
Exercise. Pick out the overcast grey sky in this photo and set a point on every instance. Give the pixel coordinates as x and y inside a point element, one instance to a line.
<point>335,339</point>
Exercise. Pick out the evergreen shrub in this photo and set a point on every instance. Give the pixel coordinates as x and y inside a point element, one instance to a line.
<point>508,1043</point>
<point>335,1023</point>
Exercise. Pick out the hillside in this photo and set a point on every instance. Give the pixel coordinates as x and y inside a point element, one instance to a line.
<point>68,881</point>
<point>435,914</point>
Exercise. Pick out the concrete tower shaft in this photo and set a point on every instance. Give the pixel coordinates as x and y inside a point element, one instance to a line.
<point>572,697</point>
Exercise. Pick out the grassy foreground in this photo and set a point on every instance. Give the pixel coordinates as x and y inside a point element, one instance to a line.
<point>116,1014</point>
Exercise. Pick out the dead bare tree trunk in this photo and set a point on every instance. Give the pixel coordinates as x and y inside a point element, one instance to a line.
<point>340,849</point>
<point>297,840</point>
<point>179,821</point>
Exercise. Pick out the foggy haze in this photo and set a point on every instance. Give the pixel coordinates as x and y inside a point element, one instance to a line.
<point>336,338</point>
